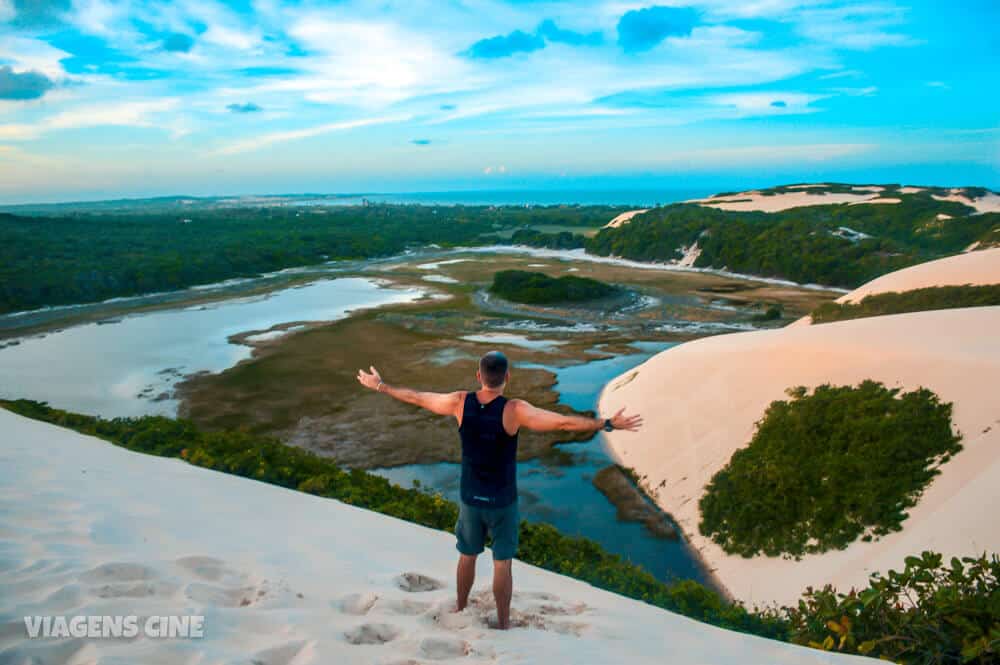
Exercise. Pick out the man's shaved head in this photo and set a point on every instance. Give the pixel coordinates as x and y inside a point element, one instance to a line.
<point>493,369</point>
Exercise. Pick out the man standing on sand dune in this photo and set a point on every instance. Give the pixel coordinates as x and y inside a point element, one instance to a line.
<point>488,424</point>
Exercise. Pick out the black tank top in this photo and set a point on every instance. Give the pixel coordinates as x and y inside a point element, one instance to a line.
<point>489,455</point>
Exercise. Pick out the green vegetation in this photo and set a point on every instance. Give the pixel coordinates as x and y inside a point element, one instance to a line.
<point>772,313</point>
<point>267,460</point>
<point>537,288</point>
<point>927,615</point>
<point>826,468</point>
<point>800,244</point>
<point>917,300</point>
<point>931,613</point>
<point>78,258</point>
<point>77,253</point>
<point>561,240</point>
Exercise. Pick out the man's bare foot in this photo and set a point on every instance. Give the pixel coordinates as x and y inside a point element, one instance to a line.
<point>458,607</point>
<point>493,622</point>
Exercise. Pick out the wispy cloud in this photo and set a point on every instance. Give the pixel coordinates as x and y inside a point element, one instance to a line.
<point>265,140</point>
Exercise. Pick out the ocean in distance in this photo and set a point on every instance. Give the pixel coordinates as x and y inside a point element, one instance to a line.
<point>501,197</point>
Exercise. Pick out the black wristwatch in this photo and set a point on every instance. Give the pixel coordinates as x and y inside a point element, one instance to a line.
<point>608,427</point>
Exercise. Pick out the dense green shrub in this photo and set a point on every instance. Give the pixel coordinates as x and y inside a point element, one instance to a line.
<point>772,313</point>
<point>931,613</point>
<point>825,468</point>
<point>267,460</point>
<point>560,240</point>
<point>538,288</point>
<point>917,300</point>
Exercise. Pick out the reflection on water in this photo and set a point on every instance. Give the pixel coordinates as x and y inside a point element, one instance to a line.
<point>557,489</point>
<point>128,367</point>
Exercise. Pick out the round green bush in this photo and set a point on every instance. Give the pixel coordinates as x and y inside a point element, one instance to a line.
<point>826,468</point>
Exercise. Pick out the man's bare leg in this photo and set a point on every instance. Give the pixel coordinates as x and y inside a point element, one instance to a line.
<point>464,577</point>
<point>503,588</point>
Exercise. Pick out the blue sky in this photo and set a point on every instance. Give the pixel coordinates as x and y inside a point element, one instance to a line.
<point>103,99</point>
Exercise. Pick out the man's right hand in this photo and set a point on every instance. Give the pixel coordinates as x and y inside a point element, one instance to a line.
<point>628,423</point>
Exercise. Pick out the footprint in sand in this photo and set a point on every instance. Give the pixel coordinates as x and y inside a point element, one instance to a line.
<point>404,607</point>
<point>372,633</point>
<point>415,582</point>
<point>118,572</point>
<point>524,613</point>
<point>440,648</point>
<point>292,653</point>
<point>217,596</point>
<point>357,603</point>
<point>134,589</point>
<point>205,567</point>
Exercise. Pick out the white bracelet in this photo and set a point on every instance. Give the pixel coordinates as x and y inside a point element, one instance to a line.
<point>378,388</point>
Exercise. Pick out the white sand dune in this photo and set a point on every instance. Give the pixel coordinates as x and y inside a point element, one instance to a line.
<point>624,218</point>
<point>700,401</point>
<point>873,201</point>
<point>753,200</point>
<point>284,578</point>
<point>982,267</point>
<point>988,203</point>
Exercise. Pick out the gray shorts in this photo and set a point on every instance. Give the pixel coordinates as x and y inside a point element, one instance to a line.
<point>475,522</point>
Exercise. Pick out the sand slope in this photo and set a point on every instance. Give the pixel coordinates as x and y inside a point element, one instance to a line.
<point>976,268</point>
<point>624,218</point>
<point>755,201</point>
<point>700,401</point>
<point>284,578</point>
<point>982,267</point>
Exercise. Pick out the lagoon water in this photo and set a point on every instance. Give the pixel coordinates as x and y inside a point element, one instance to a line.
<point>120,367</point>
<point>559,489</point>
<point>128,367</point>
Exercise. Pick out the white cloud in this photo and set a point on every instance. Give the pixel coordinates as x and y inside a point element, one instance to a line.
<point>134,114</point>
<point>855,26</point>
<point>264,140</point>
<point>371,63</point>
<point>231,37</point>
<point>33,54</point>
<point>100,17</point>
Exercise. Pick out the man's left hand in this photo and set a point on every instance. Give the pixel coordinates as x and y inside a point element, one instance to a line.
<point>371,379</point>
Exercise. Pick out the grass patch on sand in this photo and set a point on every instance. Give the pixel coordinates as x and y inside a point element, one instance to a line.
<point>917,300</point>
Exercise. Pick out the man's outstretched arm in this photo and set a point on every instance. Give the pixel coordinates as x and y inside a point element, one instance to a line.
<point>443,404</point>
<point>541,420</point>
